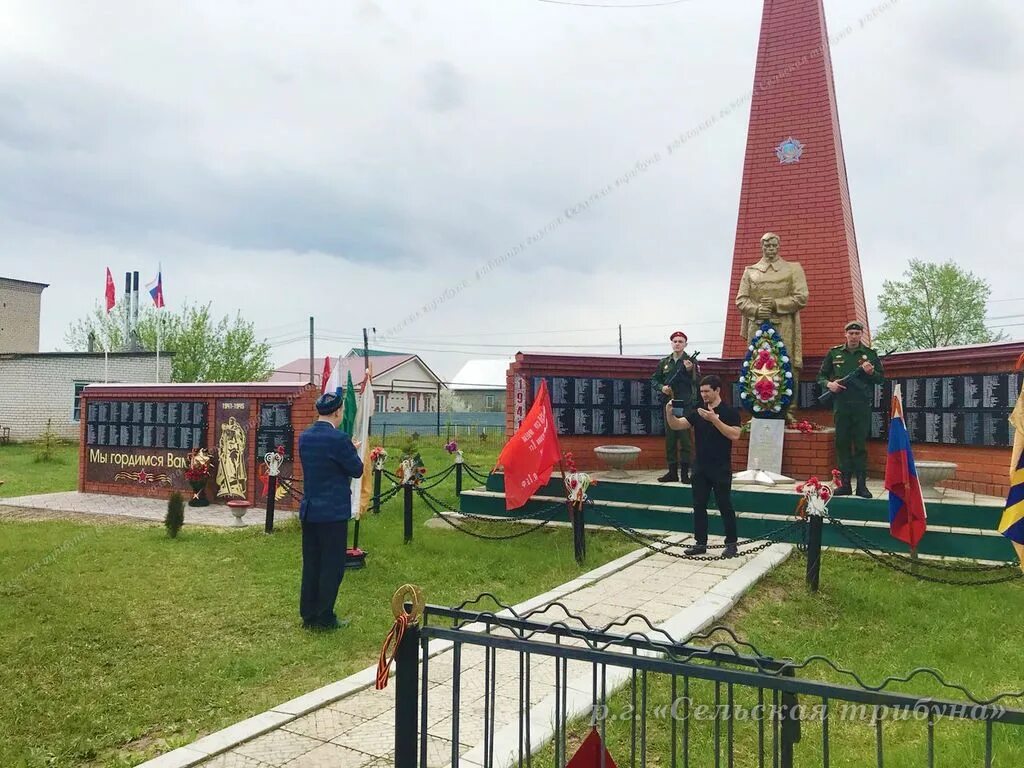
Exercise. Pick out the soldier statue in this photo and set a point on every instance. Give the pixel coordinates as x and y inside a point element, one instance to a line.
<point>774,289</point>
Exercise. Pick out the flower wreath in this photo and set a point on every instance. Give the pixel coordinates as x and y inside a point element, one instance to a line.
<point>766,378</point>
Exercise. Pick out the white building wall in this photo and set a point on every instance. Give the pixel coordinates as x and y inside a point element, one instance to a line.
<point>34,388</point>
<point>19,315</point>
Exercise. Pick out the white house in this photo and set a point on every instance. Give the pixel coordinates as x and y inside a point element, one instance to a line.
<point>402,382</point>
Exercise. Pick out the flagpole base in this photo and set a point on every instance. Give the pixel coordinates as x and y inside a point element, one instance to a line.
<point>355,559</point>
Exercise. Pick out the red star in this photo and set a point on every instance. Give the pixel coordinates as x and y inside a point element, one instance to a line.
<point>143,477</point>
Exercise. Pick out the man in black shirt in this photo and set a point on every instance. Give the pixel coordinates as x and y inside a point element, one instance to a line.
<point>715,427</point>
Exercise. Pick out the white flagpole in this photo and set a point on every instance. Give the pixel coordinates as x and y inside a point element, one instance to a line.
<point>159,322</point>
<point>106,353</point>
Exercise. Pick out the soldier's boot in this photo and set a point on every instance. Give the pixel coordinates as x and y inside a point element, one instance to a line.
<point>684,474</point>
<point>671,476</point>
<point>862,486</point>
<point>843,488</point>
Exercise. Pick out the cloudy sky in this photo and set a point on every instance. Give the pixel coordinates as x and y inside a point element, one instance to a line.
<point>362,160</point>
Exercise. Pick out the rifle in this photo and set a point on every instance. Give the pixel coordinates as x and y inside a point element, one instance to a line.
<point>679,406</point>
<point>825,398</point>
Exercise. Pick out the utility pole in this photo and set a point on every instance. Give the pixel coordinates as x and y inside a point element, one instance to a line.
<point>620,338</point>
<point>311,363</point>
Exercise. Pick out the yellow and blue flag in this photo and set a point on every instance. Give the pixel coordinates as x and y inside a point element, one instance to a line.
<point>1012,523</point>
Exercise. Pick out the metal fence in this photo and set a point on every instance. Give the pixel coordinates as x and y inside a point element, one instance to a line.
<point>449,425</point>
<point>524,690</point>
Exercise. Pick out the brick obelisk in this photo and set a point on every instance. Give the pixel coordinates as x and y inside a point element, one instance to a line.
<point>794,177</point>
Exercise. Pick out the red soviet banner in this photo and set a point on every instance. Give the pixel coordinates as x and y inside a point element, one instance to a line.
<point>532,453</point>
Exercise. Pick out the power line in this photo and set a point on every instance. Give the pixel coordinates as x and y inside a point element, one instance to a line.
<point>519,345</point>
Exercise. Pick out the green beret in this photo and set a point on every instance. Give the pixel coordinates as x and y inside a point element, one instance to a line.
<point>854,326</point>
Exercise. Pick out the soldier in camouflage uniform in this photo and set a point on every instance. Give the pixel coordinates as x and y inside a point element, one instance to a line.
<point>675,379</point>
<point>851,404</point>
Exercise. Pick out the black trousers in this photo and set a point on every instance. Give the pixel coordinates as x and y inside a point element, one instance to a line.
<point>323,567</point>
<point>703,482</point>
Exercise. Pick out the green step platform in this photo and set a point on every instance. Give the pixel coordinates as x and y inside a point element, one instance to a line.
<point>954,529</point>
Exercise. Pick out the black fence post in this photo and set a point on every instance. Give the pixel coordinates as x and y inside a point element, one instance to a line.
<point>271,499</point>
<point>579,540</point>
<point>790,722</point>
<point>406,696</point>
<point>814,552</point>
<point>458,478</point>
<point>377,472</point>
<point>408,512</point>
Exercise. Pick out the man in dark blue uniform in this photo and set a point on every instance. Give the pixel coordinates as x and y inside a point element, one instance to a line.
<point>329,462</point>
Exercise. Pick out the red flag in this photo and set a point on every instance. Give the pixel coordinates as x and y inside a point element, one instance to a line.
<point>532,452</point>
<point>326,375</point>
<point>110,291</point>
<point>589,753</point>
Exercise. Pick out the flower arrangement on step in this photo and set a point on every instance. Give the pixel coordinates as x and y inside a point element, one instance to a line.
<point>815,495</point>
<point>576,483</point>
<point>766,378</point>
<point>808,427</point>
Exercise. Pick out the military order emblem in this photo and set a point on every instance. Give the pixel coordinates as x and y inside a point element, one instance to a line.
<point>789,151</point>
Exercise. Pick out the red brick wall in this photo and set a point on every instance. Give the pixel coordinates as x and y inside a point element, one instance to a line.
<point>806,203</point>
<point>980,470</point>
<point>303,401</point>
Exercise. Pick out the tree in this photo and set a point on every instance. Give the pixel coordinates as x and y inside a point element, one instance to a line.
<point>204,350</point>
<point>451,402</point>
<point>934,305</point>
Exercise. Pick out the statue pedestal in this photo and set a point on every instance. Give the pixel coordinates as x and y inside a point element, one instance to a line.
<point>764,455</point>
<point>803,455</point>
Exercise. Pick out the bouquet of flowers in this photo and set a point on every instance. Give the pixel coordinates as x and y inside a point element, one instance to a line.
<point>200,466</point>
<point>816,495</point>
<point>378,456</point>
<point>807,427</point>
<point>453,448</point>
<point>413,470</point>
<point>576,483</point>
<point>766,378</point>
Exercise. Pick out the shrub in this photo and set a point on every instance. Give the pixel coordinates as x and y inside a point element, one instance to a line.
<point>411,444</point>
<point>47,445</point>
<point>175,514</point>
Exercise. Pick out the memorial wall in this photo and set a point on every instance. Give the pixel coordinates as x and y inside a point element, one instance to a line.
<point>956,401</point>
<point>967,409</point>
<point>136,439</point>
<point>605,406</point>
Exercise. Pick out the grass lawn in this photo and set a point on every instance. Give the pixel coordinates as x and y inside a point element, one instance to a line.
<point>119,643</point>
<point>23,475</point>
<point>875,623</point>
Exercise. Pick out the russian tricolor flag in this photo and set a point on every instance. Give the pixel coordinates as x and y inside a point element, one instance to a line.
<point>156,289</point>
<point>907,515</point>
